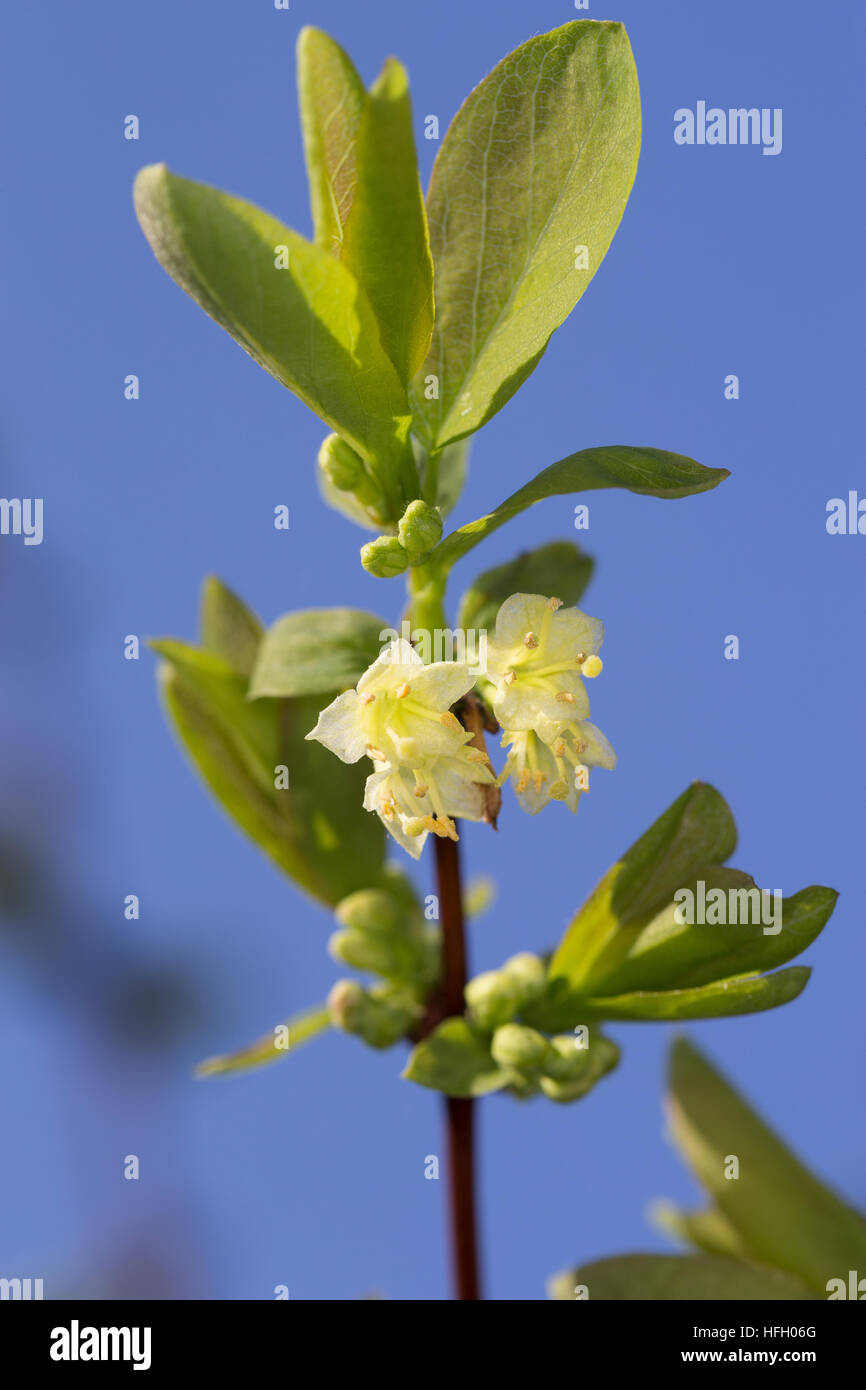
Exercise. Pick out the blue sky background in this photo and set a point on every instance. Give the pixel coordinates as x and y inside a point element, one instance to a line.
<point>310,1173</point>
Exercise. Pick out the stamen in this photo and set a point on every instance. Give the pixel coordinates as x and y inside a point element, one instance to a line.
<point>367,699</point>
<point>592,666</point>
<point>450,721</point>
<point>554,603</point>
<point>530,641</point>
<point>523,780</point>
<point>420,790</point>
<point>402,690</point>
<point>538,779</point>
<point>565,697</point>
<point>510,677</point>
<point>376,754</point>
<point>580,658</point>
<point>559,747</point>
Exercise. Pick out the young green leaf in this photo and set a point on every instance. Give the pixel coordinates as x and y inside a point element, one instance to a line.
<point>751,994</point>
<point>385,239</point>
<point>229,629</point>
<point>527,191</point>
<point>280,1042</point>
<point>315,828</point>
<point>456,1059</point>
<point>662,1278</point>
<point>332,100</point>
<point>696,830</point>
<point>558,568</point>
<point>296,310</point>
<point>316,652</point>
<point>648,472</point>
<point>784,1215</point>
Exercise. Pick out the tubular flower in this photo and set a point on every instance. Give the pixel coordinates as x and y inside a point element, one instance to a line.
<point>536,661</point>
<point>399,716</point>
<point>551,762</point>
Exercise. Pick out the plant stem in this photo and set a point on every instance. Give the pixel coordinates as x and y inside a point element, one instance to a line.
<point>459,1113</point>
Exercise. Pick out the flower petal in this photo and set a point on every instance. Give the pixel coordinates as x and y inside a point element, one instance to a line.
<point>340,728</point>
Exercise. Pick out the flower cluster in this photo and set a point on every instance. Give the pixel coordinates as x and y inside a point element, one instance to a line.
<point>536,663</point>
<point>400,716</point>
<point>426,773</point>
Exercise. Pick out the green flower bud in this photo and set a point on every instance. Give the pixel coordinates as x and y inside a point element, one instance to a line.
<point>567,1061</point>
<point>385,557</point>
<point>375,911</point>
<point>420,527</point>
<point>346,1003</point>
<point>565,1091</point>
<point>529,972</point>
<point>493,997</point>
<point>380,1017</point>
<point>515,1045</point>
<point>343,468</point>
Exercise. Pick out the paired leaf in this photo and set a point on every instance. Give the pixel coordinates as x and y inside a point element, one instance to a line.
<point>315,652</point>
<point>674,1277</point>
<point>332,98</point>
<point>386,243</point>
<point>280,1042</point>
<point>648,472</point>
<point>784,1216</point>
<point>669,933</point>
<point>308,323</point>
<point>537,164</point>
<point>558,568</point>
<point>696,830</point>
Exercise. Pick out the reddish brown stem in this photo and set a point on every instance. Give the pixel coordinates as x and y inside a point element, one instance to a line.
<point>459,1113</point>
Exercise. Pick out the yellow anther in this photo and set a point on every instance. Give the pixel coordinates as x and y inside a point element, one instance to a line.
<point>477,755</point>
<point>510,677</point>
<point>579,658</point>
<point>592,666</point>
<point>565,697</point>
<point>367,699</point>
<point>420,790</point>
<point>530,641</point>
<point>450,720</point>
<point>523,780</point>
<point>538,779</point>
<point>416,825</point>
<point>376,754</point>
<point>554,603</point>
<point>402,690</point>
<point>559,747</point>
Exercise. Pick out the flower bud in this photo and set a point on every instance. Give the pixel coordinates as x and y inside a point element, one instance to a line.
<point>564,1091</point>
<point>515,1045</point>
<point>530,974</point>
<point>380,1017</point>
<point>493,997</point>
<point>567,1061</point>
<point>385,557</point>
<point>420,527</point>
<point>343,468</point>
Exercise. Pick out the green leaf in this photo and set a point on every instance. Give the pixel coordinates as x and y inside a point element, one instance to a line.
<point>332,99</point>
<point>539,160</point>
<point>310,324</point>
<point>707,1230</point>
<point>456,1059</point>
<point>721,999</point>
<point>666,954</point>
<point>386,244</point>
<point>648,472</point>
<point>316,830</point>
<point>558,568</point>
<point>315,652</point>
<point>672,1277</point>
<point>228,628</point>
<point>697,830</point>
<point>280,1042</point>
<point>784,1215</point>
